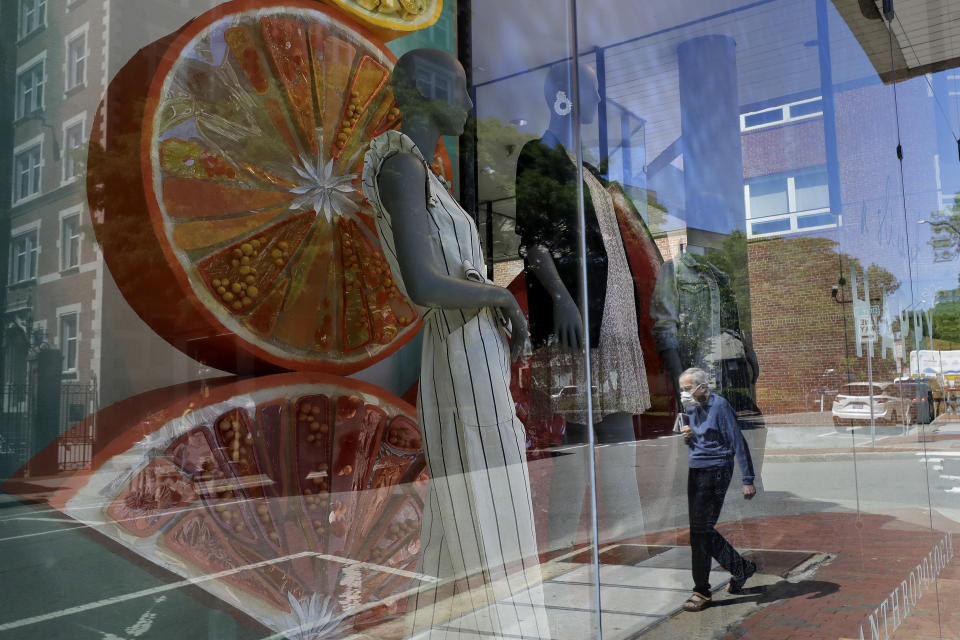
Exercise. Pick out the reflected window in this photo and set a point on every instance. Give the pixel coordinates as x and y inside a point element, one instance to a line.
<point>76,61</point>
<point>33,16</point>
<point>72,146</point>
<point>27,164</point>
<point>24,251</point>
<point>433,82</point>
<point>68,342</point>
<point>788,202</point>
<point>30,80</point>
<point>70,241</point>
<point>781,114</point>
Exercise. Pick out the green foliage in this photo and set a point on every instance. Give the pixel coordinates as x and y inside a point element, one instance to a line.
<point>945,224</point>
<point>732,260</point>
<point>946,321</point>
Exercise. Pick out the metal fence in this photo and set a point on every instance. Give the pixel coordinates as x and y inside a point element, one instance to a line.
<point>16,425</point>
<point>77,402</point>
<point>19,425</point>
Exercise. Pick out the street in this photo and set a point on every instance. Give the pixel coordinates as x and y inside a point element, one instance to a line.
<point>74,583</point>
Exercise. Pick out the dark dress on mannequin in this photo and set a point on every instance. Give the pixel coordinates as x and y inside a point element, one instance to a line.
<point>547,215</point>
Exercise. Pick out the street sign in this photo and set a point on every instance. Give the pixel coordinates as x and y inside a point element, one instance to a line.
<point>865,329</point>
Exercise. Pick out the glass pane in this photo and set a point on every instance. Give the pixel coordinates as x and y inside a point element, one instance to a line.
<point>768,197</point>
<point>764,117</point>
<point>257,378</point>
<point>266,346</point>
<point>806,108</point>
<point>812,190</point>
<point>758,228</point>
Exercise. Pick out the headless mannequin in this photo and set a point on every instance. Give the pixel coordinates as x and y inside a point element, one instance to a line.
<point>621,514</point>
<point>424,121</point>
<point>477,523</point>
<point>674,367</point>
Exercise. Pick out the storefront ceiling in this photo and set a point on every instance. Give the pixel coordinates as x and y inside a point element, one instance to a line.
<point>777,48</point>
<point>926,35</point>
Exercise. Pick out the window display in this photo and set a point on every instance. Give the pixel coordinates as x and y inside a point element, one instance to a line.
<point>366,319</point>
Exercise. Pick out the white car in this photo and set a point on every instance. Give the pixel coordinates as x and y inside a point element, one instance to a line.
<point>851,406</point>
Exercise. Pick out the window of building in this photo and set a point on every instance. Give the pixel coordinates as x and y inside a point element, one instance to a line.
<point>788,202</point>
<point>781,114</point>
<point>68,342</point>
<point>76,61</point>
<point>72,148</point>
<point>24,251</point>
<point>30,81</point>
<point>433,82</point>
<point>70,241</point>
<point>33,16</point>
<point>27,165</point>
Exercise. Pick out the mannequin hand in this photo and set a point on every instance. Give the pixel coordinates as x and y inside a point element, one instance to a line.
<point>749,491</point>
<point>567,324</point>
<point>519,334</point>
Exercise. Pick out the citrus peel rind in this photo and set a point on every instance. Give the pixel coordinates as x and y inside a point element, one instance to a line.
<point>393,18</point>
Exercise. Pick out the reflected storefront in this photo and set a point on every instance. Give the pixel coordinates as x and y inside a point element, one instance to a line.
<point>448,319</point>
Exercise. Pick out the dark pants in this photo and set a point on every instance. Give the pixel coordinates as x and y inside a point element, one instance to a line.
<point>706,489</point>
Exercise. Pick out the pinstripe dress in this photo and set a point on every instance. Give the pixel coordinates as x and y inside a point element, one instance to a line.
<point>477,533</point>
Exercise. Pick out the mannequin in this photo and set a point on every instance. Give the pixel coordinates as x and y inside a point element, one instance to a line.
<point>548,224</point>
<point>479,516</point>
<point>696,324</point>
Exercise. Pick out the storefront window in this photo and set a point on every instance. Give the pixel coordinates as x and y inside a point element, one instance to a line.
<point>457,319</point>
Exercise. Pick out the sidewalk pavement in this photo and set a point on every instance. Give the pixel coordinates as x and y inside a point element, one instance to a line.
<point>869,557</point>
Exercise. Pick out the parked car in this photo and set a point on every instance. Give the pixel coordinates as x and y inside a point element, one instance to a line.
<point>901,402</point>
<point>921,392</point>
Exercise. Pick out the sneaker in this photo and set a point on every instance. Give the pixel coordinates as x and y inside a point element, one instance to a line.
<point>736,584</point>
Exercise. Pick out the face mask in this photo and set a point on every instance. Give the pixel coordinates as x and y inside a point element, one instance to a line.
<point>687,399</point>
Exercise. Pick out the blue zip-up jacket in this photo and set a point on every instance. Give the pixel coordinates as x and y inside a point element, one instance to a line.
<point>717,439</point>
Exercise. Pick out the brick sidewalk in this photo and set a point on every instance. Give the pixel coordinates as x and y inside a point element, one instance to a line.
<point>872,556</point>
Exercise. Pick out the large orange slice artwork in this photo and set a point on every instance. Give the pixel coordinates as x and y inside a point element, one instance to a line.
<point>224,178</point>
<point>294,497</point>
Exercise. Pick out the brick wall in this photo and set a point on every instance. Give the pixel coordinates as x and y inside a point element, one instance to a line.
<point>798,330</point>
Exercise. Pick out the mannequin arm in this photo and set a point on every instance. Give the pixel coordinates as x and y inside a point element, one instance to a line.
<point>754,365</point>
<point>419,257</point>
<point>567,323</point>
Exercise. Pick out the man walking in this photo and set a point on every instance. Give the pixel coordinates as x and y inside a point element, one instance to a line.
<point>714,441</point>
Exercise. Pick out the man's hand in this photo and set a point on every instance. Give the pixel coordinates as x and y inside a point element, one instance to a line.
<point>749,491</point>
<point>686,432</point>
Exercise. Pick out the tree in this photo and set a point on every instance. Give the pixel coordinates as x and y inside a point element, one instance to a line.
<point>946,231</point>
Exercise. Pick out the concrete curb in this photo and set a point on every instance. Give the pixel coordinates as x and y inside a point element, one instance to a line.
<point>825,456</point>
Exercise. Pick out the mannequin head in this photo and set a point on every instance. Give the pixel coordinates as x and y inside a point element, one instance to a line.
<point>558,93</point>
<point>430,88</point>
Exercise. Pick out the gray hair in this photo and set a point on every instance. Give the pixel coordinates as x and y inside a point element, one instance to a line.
<point>699,375</point>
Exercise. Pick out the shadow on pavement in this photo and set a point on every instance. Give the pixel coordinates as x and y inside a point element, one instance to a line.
<point>781,590</point>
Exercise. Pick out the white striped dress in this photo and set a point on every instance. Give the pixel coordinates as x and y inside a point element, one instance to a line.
<point>478,526</point>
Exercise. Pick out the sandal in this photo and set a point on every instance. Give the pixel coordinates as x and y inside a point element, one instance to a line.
<point>736,584</point>
<point>696,602</point>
